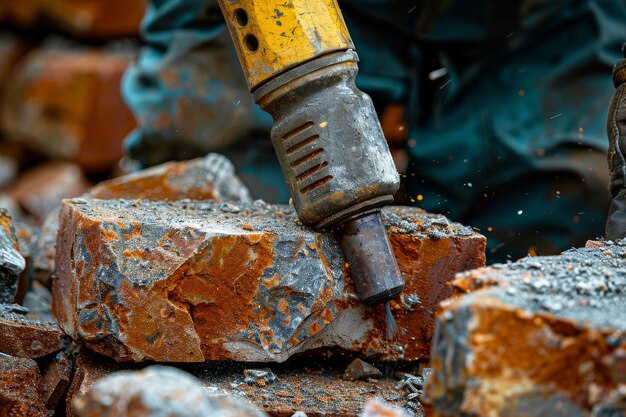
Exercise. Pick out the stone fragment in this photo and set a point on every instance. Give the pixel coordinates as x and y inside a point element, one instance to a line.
<point>299,414</point>
<point>376,408</point>
<point>40,191</point>
<point>11,262</point>
<point>209,178</point>
<point>20,388</point>
<point>26,235</point>
<point>157,391</point>
<point>56,380</point>
<point>66,103</point>
<point>545,336</point>
<point>27,338</point>
<point>260,377</point>
<point>194,281</point>
<point>37,301</point>
<point>316,390</point>
<point>44,252</point>
<point>359,369</point>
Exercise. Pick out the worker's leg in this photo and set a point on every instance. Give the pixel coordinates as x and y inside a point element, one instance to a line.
<point>519,148</point>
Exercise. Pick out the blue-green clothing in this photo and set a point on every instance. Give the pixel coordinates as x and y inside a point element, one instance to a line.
<point>505,101</point>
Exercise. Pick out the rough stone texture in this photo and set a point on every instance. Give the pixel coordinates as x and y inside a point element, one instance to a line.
<point>156,391</point>
<point>40,191</point>
<point>27,338</point>
<point>194,281</point>
<point>56,380</point>
<point>20,388</point>
<point>11,262</point>
<point>26,235</point>
<point>209,178</point>
<point>85,18</point>
<point>545,336</point>
<point>66,103</point>
<point>42,265</point>
<point>315,388</point>
<point>38,300</point>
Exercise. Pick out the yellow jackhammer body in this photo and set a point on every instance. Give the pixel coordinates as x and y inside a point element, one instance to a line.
<point>300,65</point>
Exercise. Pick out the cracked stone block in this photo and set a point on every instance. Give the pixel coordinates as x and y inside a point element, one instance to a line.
<point>40,191</point>
<point>192,281</point>
<point>65,103</point>
<point>157,391</point>
<point>11,262</point>
<point>20,388</point>
<point>545,336</point>
<point>317,389</point>
<point>25,337</point>
<point>209,178</point>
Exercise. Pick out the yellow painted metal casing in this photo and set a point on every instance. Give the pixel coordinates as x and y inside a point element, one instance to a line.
<point>272,36</point>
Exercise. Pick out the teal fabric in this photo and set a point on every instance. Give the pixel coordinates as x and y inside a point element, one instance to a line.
<point>510,140</point>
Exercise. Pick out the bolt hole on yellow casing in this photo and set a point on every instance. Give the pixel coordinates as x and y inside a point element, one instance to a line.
<point>272,36</point>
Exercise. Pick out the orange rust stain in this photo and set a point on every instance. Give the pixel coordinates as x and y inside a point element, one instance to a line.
<point>154,185</point>
<point>248,227</point>
<point>272,281</point>
<point>314,328</point>
<point>297,251</point>
<point>109,235</point>
<point>6,225</point>
<point>283,306</point>
<point>232,286</point>
<point>544,351</point>
<point>136,232</point>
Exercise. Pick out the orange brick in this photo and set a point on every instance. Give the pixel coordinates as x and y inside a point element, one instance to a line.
<point>66,103</point>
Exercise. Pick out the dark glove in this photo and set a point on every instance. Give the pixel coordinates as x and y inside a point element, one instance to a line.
<point>616,127</point>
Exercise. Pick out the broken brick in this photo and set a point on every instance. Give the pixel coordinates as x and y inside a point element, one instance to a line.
<point>20,388</point>
<point>156,390</point>
<point>193,281</point>
<point>40,191</point>
<point>542,336</point>
<point>65,103</point>
<point>11,262</point>
<point>24,337</point>
<point>209,178</point>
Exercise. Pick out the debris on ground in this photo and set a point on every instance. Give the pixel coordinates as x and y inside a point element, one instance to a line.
<point>157,391</point>
<point>260,377</point>
<point>359,369</point>
<point>541,336</point>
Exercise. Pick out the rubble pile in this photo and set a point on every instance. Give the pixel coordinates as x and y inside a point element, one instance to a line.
<point>545,336</point>
<point>176,264</point>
